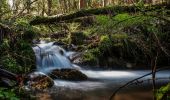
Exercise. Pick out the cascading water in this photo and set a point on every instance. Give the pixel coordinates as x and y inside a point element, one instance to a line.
<point>50,56</point>
<point>100,84</point>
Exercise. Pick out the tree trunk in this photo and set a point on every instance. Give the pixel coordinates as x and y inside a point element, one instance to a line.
<point>105,3</point>
<point>82,4</point>
<point>65,6</point>
<point>69,5</point>
<point>49,7</point>
<point>43,8</point>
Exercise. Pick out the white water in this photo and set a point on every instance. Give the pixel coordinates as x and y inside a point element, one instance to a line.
<point>112,79</point>
<point>51,56</point>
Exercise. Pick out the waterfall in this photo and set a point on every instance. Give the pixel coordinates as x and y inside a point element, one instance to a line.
<point>50,56</point>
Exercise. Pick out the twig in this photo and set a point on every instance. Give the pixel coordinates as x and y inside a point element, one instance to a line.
<point>154,66</point>
<point>117,90</point>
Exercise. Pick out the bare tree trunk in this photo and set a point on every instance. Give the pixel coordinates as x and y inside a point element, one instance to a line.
<point>60,3</point>
<point>82,4</point>
<point>105,3</point>
<point>49,7</point>
<point>75,5</point>
<point>65,6</point>
<point>154,67</point>
<point>69,5</point>
<point>43,8</point>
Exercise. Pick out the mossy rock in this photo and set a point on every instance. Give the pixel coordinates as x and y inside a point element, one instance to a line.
<point>40,81</point>
<point>68,74</point>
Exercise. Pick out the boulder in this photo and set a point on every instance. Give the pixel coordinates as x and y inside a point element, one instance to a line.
<point>38,80</point>
<point>68,74</point>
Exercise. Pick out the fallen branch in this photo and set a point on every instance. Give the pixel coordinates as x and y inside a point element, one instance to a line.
<point>7,74</point>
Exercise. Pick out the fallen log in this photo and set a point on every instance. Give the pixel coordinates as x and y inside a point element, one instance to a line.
<point>97,11</point>
<point>7,74</point>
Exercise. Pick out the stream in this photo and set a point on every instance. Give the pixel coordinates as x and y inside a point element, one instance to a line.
<point>100,84</point>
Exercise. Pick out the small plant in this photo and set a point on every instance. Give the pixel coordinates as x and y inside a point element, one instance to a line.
<point>7,94</point>
<point>163,93</point>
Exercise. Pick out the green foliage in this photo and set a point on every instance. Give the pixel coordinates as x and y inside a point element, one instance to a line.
<point>137,35</point>
<point>10,64</point>
<point>25,30</point>
<point>162,93</point>
<point>7,94</point>
<point>17,55</point>
<point>90,57</point>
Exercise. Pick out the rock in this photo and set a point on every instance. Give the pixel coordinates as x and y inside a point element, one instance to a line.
<point>68,74</point>
<point>40,81</point>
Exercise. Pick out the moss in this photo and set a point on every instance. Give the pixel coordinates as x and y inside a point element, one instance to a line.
<point>77,38</point>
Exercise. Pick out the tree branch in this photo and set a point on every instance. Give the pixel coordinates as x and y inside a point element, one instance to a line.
<point>23,10</point>
<point>125,85</point>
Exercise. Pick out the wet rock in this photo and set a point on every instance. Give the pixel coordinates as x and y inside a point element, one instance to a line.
<point>39,81</point>
<point>68,74</point>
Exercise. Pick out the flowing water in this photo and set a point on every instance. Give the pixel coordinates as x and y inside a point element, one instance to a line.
<point>101,83</point>
<point>50,56</point>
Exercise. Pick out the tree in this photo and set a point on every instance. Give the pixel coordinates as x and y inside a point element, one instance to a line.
<point>82,4</point>
<point>49,2</point>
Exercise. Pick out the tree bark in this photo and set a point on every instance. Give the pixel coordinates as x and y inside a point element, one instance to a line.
<point>43,8</point>
<point>49,7</point>
<point>7,74</point>
<point>82,4</point>
<point>97,11</point>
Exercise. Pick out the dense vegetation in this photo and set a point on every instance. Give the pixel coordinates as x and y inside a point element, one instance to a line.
<point>131,35</point>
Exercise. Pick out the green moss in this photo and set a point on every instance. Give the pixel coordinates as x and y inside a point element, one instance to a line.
<point>77,38</point>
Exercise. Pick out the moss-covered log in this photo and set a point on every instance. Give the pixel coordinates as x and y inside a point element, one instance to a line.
<point>97,11</point>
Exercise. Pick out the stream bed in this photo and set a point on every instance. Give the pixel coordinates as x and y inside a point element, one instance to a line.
<point>101,85</point>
